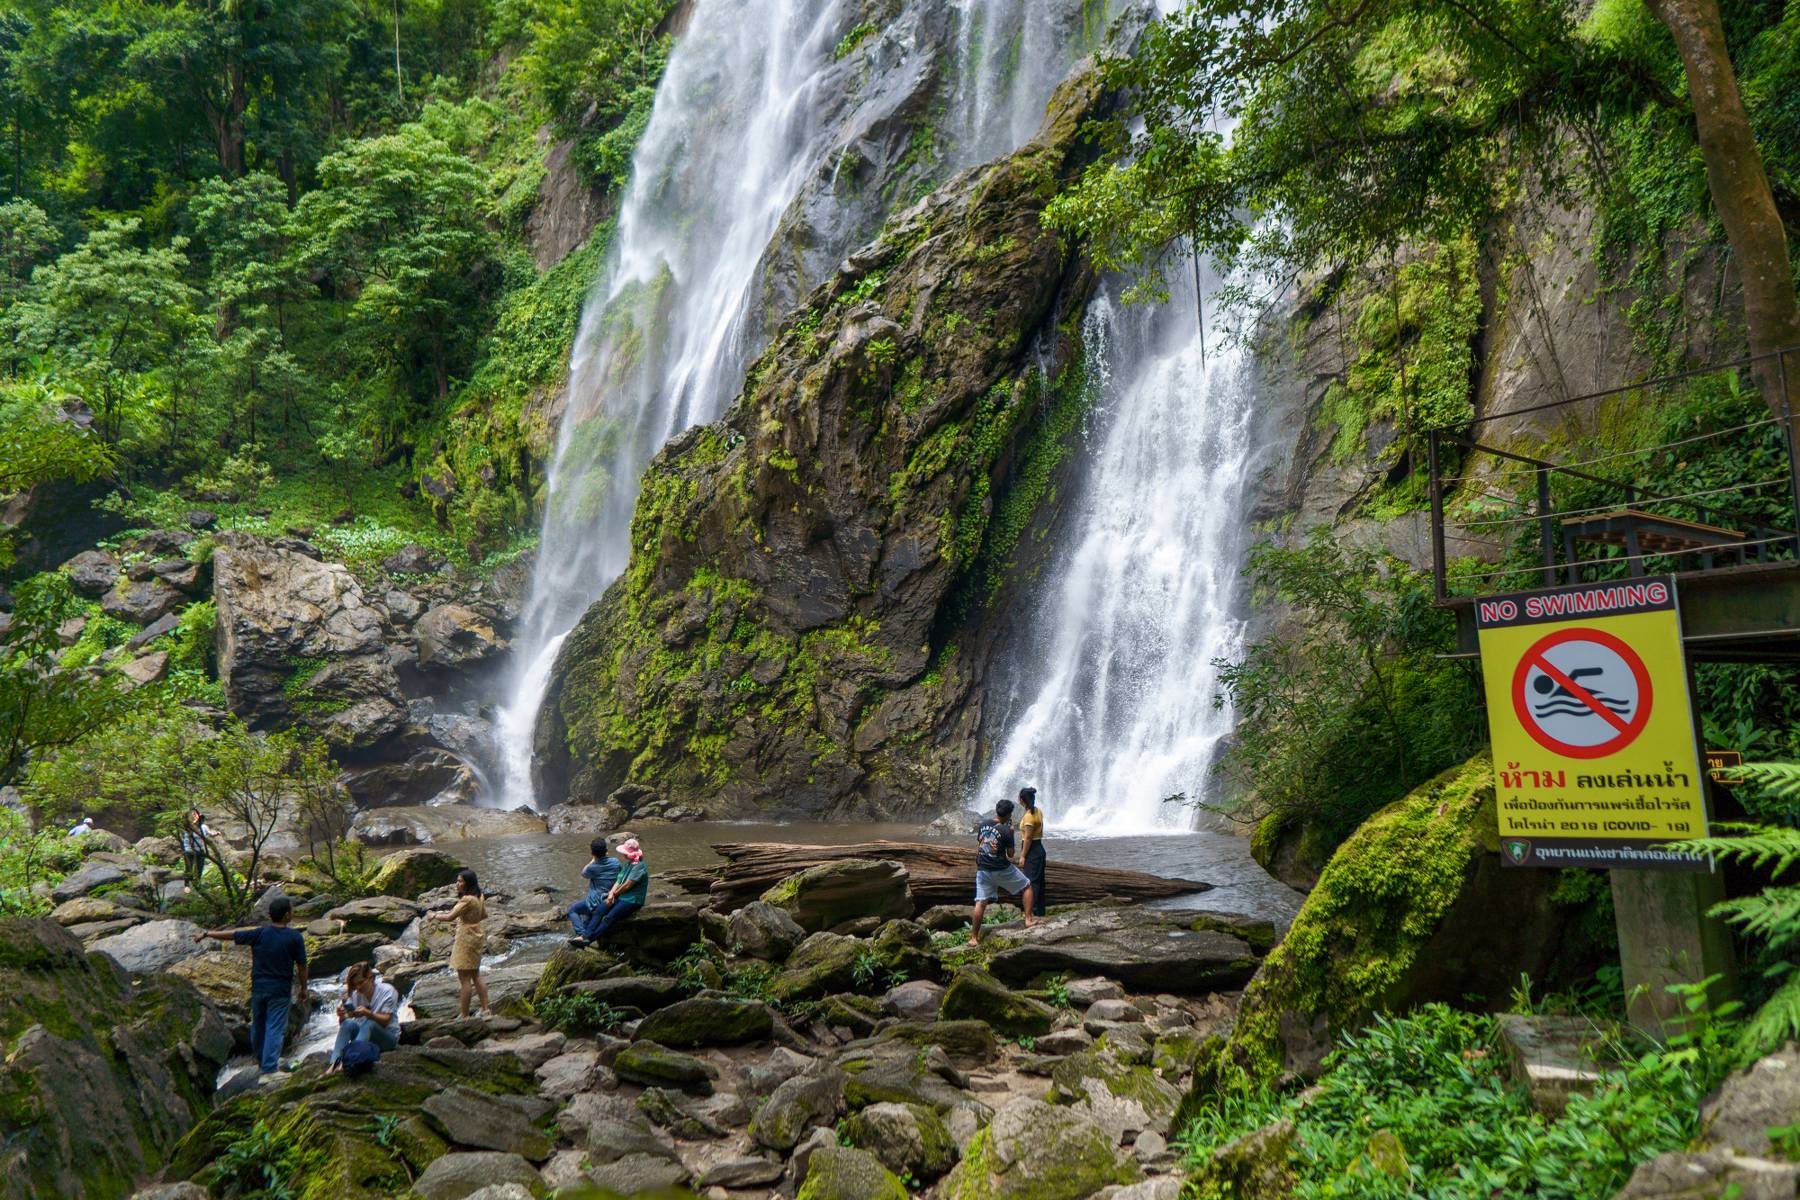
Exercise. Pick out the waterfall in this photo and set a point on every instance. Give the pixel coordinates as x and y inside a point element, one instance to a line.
<point>1113,692</point>
<point>782,133</point>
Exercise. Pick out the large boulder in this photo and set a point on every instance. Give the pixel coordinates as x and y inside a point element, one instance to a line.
<point>412,872</point>
<point>299,645</point>
<point>1032,1149</point>
<point>102,1076</point>
<point>467,1117</point>
<point>824,963</point>
<point>708,1021</point>
<point>1414,907</point>
<point>909,1139</point>
<point>151,947</point>
<point>850,889</point>
<point>806,1101</point>
<point>454,636</point>
<point>365,1138</point>
<point>92,572</point>
<point>761,930</point>
<point>843,1173</point>
<point>87,878</point>
<point>973,994</point>
<point>659,934</point>
<point>388,915</point>
<point>1148,950</point>
<point>1122,1096</point>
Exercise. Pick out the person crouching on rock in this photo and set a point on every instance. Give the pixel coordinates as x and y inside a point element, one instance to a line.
<point>584,914</point>
<point>1031,847</point>
<point>996,869</point>
<point>277,977</point>
<point>369,1012</point>
<point>469,912</point>
<point>627,895</point>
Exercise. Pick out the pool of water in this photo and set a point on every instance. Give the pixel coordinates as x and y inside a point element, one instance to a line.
<point>1211,856</point>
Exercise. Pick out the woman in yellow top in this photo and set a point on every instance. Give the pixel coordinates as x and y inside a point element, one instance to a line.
<point>1031,847</point>
<point>469,912</point>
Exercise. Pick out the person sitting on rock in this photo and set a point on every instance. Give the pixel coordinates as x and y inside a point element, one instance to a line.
<point>996,869</point>
<point>82,827</point>
<point>600,874</point>
<point>369,1012</point>
<point>277,978</point>
<point>628,894</point>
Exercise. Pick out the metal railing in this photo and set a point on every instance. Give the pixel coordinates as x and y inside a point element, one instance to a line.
<point>1527,488</point>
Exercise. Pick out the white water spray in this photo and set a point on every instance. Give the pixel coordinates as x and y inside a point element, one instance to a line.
<point>762,105</point>
<point>1115,694</point>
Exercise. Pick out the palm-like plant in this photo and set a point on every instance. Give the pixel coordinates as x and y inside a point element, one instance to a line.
<point>1773,914</point>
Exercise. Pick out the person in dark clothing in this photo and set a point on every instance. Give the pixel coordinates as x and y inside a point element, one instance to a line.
<point>600,873</point>
<point>277,977</point>
<point>997,869</point>
<point>1031,847</point>
<point>628,894</point>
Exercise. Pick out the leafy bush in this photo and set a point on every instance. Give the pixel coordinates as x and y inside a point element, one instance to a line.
<point>579,1013</point>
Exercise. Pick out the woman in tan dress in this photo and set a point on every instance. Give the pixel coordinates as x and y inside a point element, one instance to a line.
<point>465,955</point>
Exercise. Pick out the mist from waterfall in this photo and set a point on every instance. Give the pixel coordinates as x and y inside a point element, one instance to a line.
<point>1112,708</point>
<point>760,102</point>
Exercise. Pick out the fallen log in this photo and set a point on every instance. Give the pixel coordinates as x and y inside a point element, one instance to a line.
<point>938,874</point>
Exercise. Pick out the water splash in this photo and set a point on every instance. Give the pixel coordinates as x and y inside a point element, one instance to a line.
<point>1114,698</point>
<point>769,113</point>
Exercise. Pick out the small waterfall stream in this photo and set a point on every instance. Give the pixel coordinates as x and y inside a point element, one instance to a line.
<point>763,104</point>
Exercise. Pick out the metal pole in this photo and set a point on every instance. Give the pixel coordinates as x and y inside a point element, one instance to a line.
<point>1787,430</point>
<point>1546,536</point>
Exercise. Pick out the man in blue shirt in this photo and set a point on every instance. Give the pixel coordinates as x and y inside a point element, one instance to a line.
<point>277,974</point>
<point>599,874</point>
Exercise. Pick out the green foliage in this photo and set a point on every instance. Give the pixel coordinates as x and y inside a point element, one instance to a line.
<point>847,44</point>
<point>1346,707</point>
<point>581,1014</point>
<point>257,1164</point>
<point>30,857</point>
<point>866,968</point>
<point>43,708</point>
<point>1423,1105</point>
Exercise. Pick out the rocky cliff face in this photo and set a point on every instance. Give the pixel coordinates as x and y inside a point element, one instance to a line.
<point>802,623</point>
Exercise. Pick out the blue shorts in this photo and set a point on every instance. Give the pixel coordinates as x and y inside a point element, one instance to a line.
<point>989,884</point>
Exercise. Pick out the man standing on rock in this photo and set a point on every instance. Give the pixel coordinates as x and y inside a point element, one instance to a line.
<point>1031,847</point>
<point>277,973</point>
<point>997,870</point>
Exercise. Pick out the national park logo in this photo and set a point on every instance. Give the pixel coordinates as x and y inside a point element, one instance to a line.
<point>1517,849</point>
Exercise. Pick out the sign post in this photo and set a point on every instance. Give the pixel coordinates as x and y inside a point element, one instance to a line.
<point>1597,764</point>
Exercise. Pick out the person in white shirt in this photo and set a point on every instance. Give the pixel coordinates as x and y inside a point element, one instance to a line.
<point>83,826</point>
<point>369,1012</point>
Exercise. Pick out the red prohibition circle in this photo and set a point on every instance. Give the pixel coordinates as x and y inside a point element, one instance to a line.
<point>1630,657</point>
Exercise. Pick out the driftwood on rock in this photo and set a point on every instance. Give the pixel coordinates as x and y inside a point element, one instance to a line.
<point>938,874</point>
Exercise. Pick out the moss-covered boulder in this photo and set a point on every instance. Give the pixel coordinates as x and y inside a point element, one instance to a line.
<point>652,1065</point>
<point>823,963</point>
<point>843,1173</point>
<point>337,1138</point>
<point>1414,907</point>
<point>1034,1151</point>
<point>904,950</point>
<point>708,1021</point>
<point>909,1139</point>
<point>973,994</point>
<point>413,871</point>
<point>102,1077</point>
<point>658,935</point>
<point>385,915</point>
<point>968,1043</point>
<point>896,1072</point>
<point>830,894</point>
<point>801,568</point>
<point>568,965</point>
<point>808,1100</point>
<point>326,956</point>
<point>1117,1094</point>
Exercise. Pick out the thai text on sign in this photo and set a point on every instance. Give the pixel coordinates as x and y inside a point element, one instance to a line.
<point>1596,762</point>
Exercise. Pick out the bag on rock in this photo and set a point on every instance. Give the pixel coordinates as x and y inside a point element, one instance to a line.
<point>360,1057</point>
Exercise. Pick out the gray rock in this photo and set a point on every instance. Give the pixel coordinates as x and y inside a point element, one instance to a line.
<point>178,573</point>
<point>1554,1058</point>
<point>818,1139</point>
<point>909,1139</point>
<point>565,1169</point>
<point>80,882</point>
<point>1034,1149</point>
<point>147,668</point>
<point>172,1191</point>
<point>402,606</point>
<point>151,947</point>
<point>1114,1011</point>
<point>829,894</point>
<point>744,1172</point>
<point>141,601</point>
<point>1064,1041</point>
<point>470,1118</point>
<point>1711,1175</point>
<point>92,572</point>
<point>1164,1187</point>
<point>298,644</point>
<point>805,1101</point>
<point>454,636</point>
<point>201,518</point>
<point>917,1000</point>
<point>568,1074</point>
<point>635,1173</point>
<point>1146,950</point>
<point>1120,1095</point>
<point>646,992</point>
<point>503,1191</point>
<point>708,1021</point>
<point>389,915</point>
<point>413,559</point>
<point>460,1174</point>
<point>658,1066</point>
<point>761,930</point>
<point>532,1049</point>
<point>166,624</point>
<point>842,1173</point>
<point>1764,1096</point>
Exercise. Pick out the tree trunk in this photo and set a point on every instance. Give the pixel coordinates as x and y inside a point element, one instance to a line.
<point>1740,191</point>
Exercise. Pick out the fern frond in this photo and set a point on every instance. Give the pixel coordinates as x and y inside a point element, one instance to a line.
<point>1771,846</point>
<point>1776,1021</point>
<point>1781,779</point>
<point>1772,914</point>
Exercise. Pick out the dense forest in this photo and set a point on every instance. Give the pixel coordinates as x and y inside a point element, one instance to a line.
<point>289,291</point>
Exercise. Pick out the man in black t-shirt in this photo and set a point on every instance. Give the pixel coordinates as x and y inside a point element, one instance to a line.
<point>996,868</point>
<point>277,972</point>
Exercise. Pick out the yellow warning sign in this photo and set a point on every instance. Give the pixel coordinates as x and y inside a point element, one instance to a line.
<point>1596,761</point>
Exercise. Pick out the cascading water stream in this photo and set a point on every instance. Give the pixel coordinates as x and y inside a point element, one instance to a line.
<point>762,103</point>
<point>1112,701</point>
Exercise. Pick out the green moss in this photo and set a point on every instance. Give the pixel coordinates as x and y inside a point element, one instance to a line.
<point>847,44</point>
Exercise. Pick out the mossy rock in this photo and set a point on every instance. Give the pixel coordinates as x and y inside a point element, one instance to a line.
<point>1175,1054</point>
<point>660,932</point>
<point>1079,1078</point>
<point>413,871</point>
<point>904,949</point>
<point>326,956</point>
<point>653,1065</point>
<point>568,965</point>
<point>1033,1151</point>
<point>822,964</point>
<point>844,1173</point>
<point>1413,907</point>
<point>970,1043</point>
<point>831,893</point>
<point>973,994</point>
<point>909,1139</point>
<point>332,1129</point>
<point>708,1021</point>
